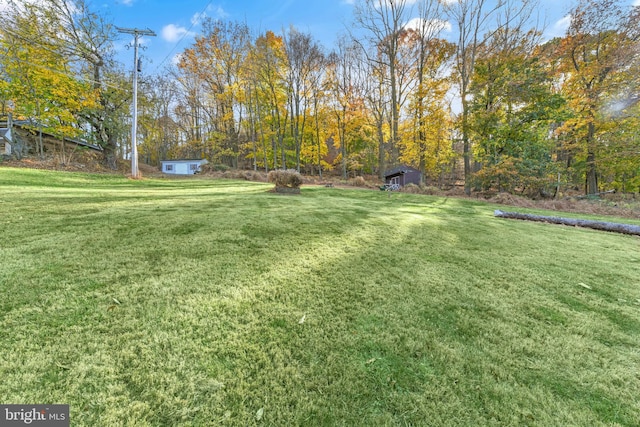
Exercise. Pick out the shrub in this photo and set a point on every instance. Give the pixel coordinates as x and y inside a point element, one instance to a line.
<point>285,178</point>
<point>359,181</point>
<point>411,188</point>
<point>253,176</point>
<point>431,190</point>
<point>220,167</point>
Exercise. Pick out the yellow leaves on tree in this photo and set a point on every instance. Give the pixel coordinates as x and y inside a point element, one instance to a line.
<point>599,66</point>
<point>40,79</point>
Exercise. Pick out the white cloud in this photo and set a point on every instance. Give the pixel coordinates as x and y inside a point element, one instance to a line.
<point>435,25</point>
<point>216,12</point>
<point>175,60</point>
<point>172,33</point>
<point>636,3</point>
<point>127,2</point>
<point>198,17</point>
<point>560,27</point>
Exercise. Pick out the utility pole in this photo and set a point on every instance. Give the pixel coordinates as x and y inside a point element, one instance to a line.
<point>137,33</point>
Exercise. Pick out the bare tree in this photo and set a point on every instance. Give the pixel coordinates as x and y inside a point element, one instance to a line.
<point>216,59</point>
<point>383,22</point>
<point>304,57</point>
<point>426,29</point>
<point>345,85</point>
<point>377,101</point>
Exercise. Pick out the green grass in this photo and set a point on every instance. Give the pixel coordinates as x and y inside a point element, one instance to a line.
<point>179,302</point>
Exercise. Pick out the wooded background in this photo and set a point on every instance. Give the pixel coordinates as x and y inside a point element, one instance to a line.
<point>500,108</point>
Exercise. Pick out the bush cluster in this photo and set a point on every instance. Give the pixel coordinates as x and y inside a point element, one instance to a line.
<point>240,174</point>
<point>285,178</point>
<point>358,181</point>
<point>412,189</point>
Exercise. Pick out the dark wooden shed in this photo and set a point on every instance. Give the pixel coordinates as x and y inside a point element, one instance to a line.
<point>402,175</point>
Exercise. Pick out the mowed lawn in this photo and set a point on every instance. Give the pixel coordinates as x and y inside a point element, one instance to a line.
<point>197,302</point>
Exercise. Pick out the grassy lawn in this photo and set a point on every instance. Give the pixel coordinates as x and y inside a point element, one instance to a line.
<point>212,302</point>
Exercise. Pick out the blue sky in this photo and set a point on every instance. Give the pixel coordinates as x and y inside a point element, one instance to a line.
<point>177,22</point>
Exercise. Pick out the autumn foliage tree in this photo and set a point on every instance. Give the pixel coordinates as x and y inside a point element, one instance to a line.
<point>267,67</point>
<point>511,113</point>
<point>215,61</point>
<point>304,59</point>
<point>427,140</point>
<point>58,54</point>
<point>525,115</point>
<point>40,79</point>
<point>599,57</point>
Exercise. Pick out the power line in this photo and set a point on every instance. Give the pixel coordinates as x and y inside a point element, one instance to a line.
<point>137,33</point>
<point>175,46</point>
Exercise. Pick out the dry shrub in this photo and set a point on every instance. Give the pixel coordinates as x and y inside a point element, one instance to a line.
<point>260,176</point>
<point>412,189</point>
<point>431,190</point>
<point>218,167</point>
<point>512,200</point>
<point>290,178</point>
<point>456,191</point>
<point>228,175</point>
<point>358,181</point>
<point>311,179</point>
<point>254,176</point>
<point>422,189</point>
<point>247,175</point>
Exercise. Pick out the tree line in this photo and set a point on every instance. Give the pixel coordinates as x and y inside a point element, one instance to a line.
<point>464,90</point>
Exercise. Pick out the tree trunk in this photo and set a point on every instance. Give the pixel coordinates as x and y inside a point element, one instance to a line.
<point>318,136</point>
<point>591,174</point>
<point>596,225</point>
<point>343,146</point>
<point>466,150</point>
<point>109,153</point>
<point>381,151</point>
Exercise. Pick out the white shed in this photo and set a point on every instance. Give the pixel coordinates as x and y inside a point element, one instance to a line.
<point>182,167</point>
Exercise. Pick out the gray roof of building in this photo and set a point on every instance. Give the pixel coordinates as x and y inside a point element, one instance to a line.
<point>23,123</point>
<point>182,160</point>
<point>402,169</point>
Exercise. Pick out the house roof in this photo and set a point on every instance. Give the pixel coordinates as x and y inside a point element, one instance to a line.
<point>23,123</point>
<point>202,161</point>
<point>400,170</point>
